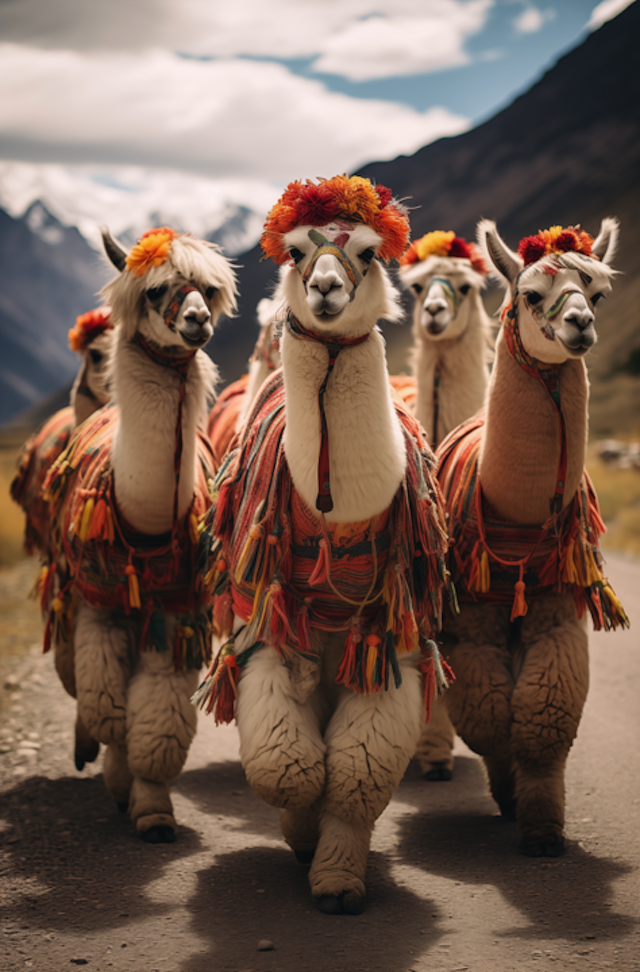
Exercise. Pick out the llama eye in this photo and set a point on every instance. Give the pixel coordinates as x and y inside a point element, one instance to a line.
<point>156,293</point>
<point>209,292</point>
<point>464,289</point>
<point>533,297</point>
<point>296,254</point>
<point>596,298</point>
<point>367,255</point>
<point>417,288</point>
<point>95,355</point>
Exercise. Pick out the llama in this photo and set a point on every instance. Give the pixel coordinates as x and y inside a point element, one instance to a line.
<point>125,498</point>
<point>450,360</point>
<point>230,410</point>
<point>91,339</point>
<point>328,546</point>
<point>524,524</point>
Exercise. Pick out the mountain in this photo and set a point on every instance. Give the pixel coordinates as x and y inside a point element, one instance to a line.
<point>567,151</point>
<point>48,275</point>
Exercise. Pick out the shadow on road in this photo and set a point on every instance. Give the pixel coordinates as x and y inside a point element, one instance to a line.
<point>262,893</point>
<point>73,863</point>
<point>459,835</point>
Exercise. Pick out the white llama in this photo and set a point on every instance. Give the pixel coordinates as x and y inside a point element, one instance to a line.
<point>450,362</point>
<point>328,527</point>
<point>126,495</point>
<point>524,524</point>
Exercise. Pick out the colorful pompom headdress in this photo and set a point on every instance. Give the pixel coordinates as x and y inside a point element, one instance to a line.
<point>352,199</point>
<point>88,327</point>
<point>445,244</point>
<point>556,239</point>
<point>151,250</point>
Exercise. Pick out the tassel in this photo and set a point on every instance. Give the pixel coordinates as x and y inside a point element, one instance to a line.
<point>279,624</point>
<point>85,523</point>
<point>303,629</point>
<point>483,578</point>
<point>134,589</point>
<point>193,529</point>
<point>370,663</point>
<point>520,607</point>
<point>322,569</point>
<point>347,671</point>
<point>218,692</point>
<point>110,530</point>
<point>613,608</point>
<point>99,530</point>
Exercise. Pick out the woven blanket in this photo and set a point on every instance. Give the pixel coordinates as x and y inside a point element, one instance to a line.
<point>286,571</point>
<point>499,562</point>
<point>36,458</point>
<point>223,417</point>
<point>114,567</point>
<point>406,387</point>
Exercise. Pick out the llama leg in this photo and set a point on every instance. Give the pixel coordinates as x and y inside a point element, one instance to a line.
<point>86,747</point>
<point>479,701</point>
<point>299,826</point>
<point>281,747</point>
<point>547,705</point>
<point>103,654</point>
<point>117,775</point>
<point>435,746</point>
<point>370,740</point>
<point>502,785</point>
<point>161,723</point>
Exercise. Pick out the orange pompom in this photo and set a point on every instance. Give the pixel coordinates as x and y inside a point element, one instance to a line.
<point>88,326</point>
<point>151,250</point>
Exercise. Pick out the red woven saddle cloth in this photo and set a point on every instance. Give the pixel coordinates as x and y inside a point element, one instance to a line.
<point>223,418</point>
<point>36,458</point>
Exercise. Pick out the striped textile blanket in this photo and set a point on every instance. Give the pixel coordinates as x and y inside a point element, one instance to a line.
<point>286,572</point>
<point>499,562</point>
<point>111,565</point>
<point>223,417</point>
<point>36,458</point>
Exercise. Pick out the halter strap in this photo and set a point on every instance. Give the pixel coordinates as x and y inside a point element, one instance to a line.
<point>448,288</point>
<point>549,377</point>
<point>334,345</point>
<point>323,246</point>
<point>173,307</point>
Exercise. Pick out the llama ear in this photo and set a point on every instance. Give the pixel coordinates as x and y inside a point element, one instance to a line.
<point>606,243</point>
<point>506,262</point>
<point>114,251</point>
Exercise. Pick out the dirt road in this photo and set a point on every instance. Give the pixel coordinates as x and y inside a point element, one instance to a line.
<point>447,890</point>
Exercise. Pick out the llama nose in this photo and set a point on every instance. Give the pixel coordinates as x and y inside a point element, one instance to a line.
<point>199,315</point>
<point>580,318</point>
<point>327,282</point>
<point>435,305</point>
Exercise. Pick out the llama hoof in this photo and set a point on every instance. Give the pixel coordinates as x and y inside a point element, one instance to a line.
<point>552,846</point>
<point>349,903</point>
<point>86,754</point>
<point>160,834</point>
<point>304,856</point>
<point>122,805</point>
<point>439,772</point>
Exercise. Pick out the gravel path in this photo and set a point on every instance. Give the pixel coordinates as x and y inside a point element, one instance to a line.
<point>447,890</point>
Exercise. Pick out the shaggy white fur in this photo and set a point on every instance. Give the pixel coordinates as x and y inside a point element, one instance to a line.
<point>135,702</point>
<point>328,757</point>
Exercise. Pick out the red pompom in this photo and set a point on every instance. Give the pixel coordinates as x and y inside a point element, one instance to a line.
<point>459,248</point>
<point>385,195</point>
<point>317,205</point>
<point>531,248</point>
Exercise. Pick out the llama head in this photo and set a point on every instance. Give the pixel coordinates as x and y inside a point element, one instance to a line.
<point>445,275</point>
<point>331,236</point>
<point>172,288</point>
<point>553,283</point>
<point>270,313</point>
<point>92,340</point>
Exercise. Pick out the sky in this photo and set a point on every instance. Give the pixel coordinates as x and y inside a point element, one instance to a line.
<point>196,107</point>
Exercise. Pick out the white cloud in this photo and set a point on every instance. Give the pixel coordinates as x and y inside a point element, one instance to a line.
<point>359,39</point>
<point>531,20</point>
<point>605,11</point>
<point>391,46</point>
<point>227,118</point>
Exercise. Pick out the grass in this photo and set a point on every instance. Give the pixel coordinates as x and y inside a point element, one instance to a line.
<point>619,497</point>
<point>11,516</point>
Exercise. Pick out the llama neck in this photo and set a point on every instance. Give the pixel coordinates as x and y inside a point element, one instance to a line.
<point>521,444</point>
<point>143,451</point>
<point>367,457</point>
<point>462,374</point>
